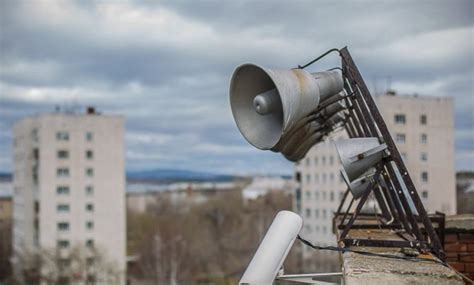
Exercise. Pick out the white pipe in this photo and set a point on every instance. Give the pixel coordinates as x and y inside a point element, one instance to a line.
<point>273,249</point>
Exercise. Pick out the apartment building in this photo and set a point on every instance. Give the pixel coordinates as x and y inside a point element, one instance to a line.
<point>69,191</point>
<point>423,129</point>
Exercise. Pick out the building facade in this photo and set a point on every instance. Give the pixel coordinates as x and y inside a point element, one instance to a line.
<point>69,191</point>
<point>423,129</point>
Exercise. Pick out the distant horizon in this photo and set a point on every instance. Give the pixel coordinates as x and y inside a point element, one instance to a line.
<point>128,172</point>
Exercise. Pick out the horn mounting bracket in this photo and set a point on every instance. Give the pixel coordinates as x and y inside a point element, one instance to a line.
<point>392,187</point>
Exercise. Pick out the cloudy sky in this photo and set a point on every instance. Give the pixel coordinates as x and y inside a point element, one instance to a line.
<point>166,66</point>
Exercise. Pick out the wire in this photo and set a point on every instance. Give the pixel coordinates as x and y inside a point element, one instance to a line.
<point>318,58</point>
<point>367,253</point>
<point>335,68</point>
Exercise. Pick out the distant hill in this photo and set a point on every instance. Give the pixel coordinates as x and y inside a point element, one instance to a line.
<point>5,176</point>
<point>171,175</point>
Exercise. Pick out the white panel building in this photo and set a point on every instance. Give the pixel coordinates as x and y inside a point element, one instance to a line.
<point>422,128</point>
<point>69,187</point>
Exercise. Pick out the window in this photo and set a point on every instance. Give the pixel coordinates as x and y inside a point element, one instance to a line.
<point>316,160</point>
<point>424,194</point>
<point>341,177</point>
<point>331,177</point>
<point>34,135</point>
<point>63,154</point>
<point>341,195</point>
<point>324,213</point>
<point>324,177</point>
<point>62,172</point>
<point>298,176</point>
<point>89,172</point>
<point>62,208</point>
<point>63,243</point>
<point>90,261</point>
<point>308,213</point>
<point>307,161</point>
<point>424,176</point>
<point>316,213</point>
<point>424,156</point>
<point>89,225</point>
<point>316,196</point>
<point>316,178</point>
<point>64,262</point>
<point>323,160</point>
<point>400,138</point>
<point>89,154</point>
<point>331,196</point>
<point>331,160</point>
<point>308,178</point>
<point>324,229</point>
<point>62,136</point>
<point>89,190</point>
<point>308,195</point>
<point>423,120</point>
<point>324,196</point>
<point>424,138</point>
<point>63,226</point>
<point>89,207</point>
<point>89,136</point>
<point>91,279</point>
<point>90,243</point>
<point>62,190</point>
<point>400,119</point>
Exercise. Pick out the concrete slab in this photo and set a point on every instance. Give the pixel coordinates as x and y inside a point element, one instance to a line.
<point>465,221</point>
<point>361,269</point>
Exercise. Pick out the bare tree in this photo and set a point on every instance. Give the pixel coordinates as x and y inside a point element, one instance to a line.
<point>208,243</point>
<point>77,264</point>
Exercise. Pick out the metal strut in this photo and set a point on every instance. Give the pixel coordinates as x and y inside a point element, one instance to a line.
<point>363,119</point>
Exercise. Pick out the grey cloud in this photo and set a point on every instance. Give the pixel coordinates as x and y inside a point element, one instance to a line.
<point>174,83</point>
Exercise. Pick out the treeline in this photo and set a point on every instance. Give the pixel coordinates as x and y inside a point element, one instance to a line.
<point>206,243</point>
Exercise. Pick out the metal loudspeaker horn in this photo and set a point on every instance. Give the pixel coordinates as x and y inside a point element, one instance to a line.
<point>309,124</point>
<point>297,148</point>
<point>358,155</point>
<point>267,103</point>
<point>360,185</point>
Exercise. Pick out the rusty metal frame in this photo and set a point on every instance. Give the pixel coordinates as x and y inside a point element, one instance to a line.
<point>363,119</point>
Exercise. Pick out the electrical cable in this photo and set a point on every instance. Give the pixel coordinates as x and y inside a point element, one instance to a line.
<point>343,250</point>
<point>367,253</point>
<point>318,58</point>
